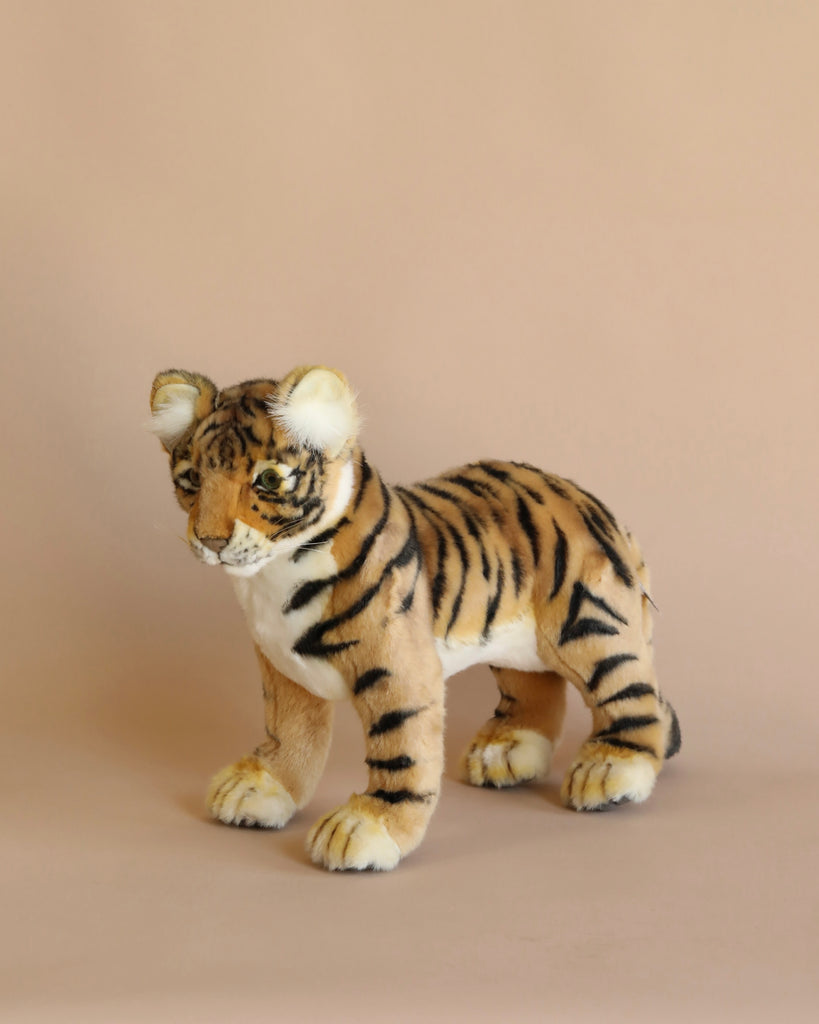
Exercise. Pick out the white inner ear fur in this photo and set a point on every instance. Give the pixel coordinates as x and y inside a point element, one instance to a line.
<point>174,408</point>
<point>319,413</point>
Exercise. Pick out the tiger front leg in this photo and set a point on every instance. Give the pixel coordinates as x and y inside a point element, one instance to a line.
<point>401,706</point>
<point>265,788</point>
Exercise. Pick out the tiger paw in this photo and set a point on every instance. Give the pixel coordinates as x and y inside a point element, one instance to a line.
<point>602,777</point>
<point>507,759</point>
<point>351,839</point>
<point>245,793</point>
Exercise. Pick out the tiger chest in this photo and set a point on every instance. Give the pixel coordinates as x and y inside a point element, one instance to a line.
<point>263,598</point>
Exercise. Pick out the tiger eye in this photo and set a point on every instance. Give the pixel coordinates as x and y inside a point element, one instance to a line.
<point>268,480</point>
<point>194,478</point>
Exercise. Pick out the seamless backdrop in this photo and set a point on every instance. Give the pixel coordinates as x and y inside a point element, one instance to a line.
<point>581,235</point>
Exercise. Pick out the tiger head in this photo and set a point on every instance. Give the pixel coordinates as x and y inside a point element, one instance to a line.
<point>261,468</point>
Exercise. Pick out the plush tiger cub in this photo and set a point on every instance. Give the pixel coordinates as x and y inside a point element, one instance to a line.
<point>356,589</point>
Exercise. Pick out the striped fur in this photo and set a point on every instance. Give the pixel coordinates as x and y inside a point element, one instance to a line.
<point>353,588</point>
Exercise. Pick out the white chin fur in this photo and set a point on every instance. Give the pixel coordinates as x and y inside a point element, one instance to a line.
<point>245,570</point>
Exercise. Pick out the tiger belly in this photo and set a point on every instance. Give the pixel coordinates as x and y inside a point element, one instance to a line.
<point>264,595</point>
<point>512,645</point>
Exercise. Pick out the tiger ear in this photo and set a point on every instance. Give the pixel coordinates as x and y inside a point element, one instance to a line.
<point>179,401</point>
<point>316,408</point>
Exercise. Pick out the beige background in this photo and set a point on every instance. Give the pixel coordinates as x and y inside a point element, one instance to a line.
<point>581,234</point>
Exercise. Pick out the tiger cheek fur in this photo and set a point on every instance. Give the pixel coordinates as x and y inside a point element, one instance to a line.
<point>355,589</point>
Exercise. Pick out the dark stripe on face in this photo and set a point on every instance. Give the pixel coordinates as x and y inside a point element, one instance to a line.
<point>400,796</point>
<point>602,668</point>
<point>392,764</point>
<point>630,692</point>
<point>369,678</point>
<point>392,720</point>
<point>560,559</point>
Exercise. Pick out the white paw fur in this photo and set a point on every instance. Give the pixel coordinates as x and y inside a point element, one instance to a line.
<point>245,793</point>
<point>521,755</point>
<point>592,783</point>
<point>347,840</point>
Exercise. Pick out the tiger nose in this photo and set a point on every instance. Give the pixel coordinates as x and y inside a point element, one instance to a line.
<point>216,544</point>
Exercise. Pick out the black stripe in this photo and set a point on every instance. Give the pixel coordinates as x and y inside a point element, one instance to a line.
<point>369,678</point>
<point>575,629</point>
<point>392,720</point>
<point>498,474</point>
<point>400,796</point>
<point>640,748</point>
<point>518,573</point>
<point>628,723</point>
<point>617,563</point>
<point>366,475</point>
<point>459,544</point>
<point>249,435</point>
<point>307,591</point>
<point>494,602</point>
<point>586,627</point>
<point>555,485</point>
<point>598,504</point>
<point>470,519</point>
<point>319,539</point>
<point>439,581</point>
<point>560,559</point>
<point>602,668</point>
<point>392,764</point>
<point>525,520</point>
<point>477,487</point>
<point>311,645</point>
<point>311,642</point>
<point>508,478</point>
<point>628,693</point>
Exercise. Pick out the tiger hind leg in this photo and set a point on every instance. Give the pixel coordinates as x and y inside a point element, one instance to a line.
<point>602,635</point>
<point>517,743</point>
<point>634,731</point>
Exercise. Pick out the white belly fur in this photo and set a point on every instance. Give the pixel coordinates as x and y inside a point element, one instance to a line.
<point>510,646</point>
<point>262,598</point>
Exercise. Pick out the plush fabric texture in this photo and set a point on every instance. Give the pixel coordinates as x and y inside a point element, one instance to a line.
<point>356,589</point>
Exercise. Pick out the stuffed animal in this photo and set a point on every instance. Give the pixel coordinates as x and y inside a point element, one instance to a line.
<point>356,589</point>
